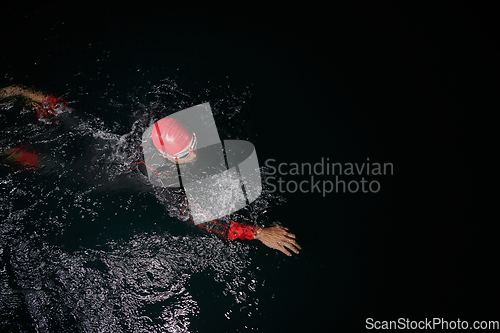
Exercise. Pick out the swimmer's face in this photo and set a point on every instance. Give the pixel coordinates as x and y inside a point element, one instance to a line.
<point>191,157</point>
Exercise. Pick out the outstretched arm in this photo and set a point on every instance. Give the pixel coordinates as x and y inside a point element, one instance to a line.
<point>276,237</point>
<point>44,105</point>
<point>35,96</point>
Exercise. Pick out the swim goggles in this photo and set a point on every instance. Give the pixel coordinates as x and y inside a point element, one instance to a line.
<point>185,154</point>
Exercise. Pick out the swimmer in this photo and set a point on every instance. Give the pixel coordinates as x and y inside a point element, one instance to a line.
<point>175,146</point>
<point>170,144</point>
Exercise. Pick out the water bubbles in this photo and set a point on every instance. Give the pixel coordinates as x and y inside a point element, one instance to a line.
<point>227,314</point>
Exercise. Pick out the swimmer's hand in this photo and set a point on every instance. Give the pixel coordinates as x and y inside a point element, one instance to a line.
<point>278,238</point>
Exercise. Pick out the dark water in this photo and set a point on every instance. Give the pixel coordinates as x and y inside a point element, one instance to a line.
<point>87,245</point>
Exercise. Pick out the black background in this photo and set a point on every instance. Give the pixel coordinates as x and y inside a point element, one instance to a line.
<point>416,82</point>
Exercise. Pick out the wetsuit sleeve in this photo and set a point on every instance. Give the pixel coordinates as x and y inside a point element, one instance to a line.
<point>23,158</point>
<point>240,231</point>
<point>51,106</point>
<point>142,167</point>
<point>231,231</point>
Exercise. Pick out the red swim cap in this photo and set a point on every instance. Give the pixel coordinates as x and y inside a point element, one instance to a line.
<point>170,136</point>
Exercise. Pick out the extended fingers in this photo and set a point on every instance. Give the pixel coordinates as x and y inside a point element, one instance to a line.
<point>288,234</point>
<point>284,250</point>
<point>292,245</point>
<point>290,240</point>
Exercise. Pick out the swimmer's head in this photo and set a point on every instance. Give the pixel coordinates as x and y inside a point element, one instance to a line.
<point>174,140</point>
